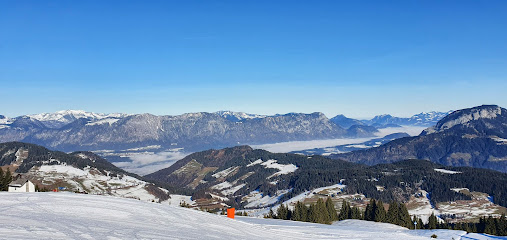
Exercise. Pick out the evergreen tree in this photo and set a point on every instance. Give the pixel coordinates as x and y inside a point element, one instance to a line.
<point>345,211</point>
<point>1,180</point>
<point>420,224</point>
<point>322,212</point>
<point>356,213</point>
<point>300,212</point>
<point>283,212</point>
<point>392,213</point>
<point>404,217</point>
<point>432,221</point>
<point>369,213</point>
<point>313,215</point>
<point>380,212</point>
<point>271,214</point>
<point>490,226</point>
<point>333,216</point>
<point>481,226</point>
<point>5,179</point>
<point>501,229</point>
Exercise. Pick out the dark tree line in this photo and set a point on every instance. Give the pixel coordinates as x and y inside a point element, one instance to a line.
<point>320,212</point>
<point>488,225</point>
<point>324,212</point>
<point>5,179</point>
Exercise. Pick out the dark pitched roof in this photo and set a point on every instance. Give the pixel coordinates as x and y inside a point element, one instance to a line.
<point>18,182</point>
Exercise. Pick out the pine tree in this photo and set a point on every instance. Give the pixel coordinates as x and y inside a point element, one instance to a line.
<point>501,229</point>
<point>420,224</point>
<point>313,216</point>
<point>333,216</point>
<point>356,213</point>
<point>322,211</point>
<point>271,214</point>
<point>432,221</point>
<point>345,211</point>
<point>392,213</point>
<point>283,212</point>
<point>300,212</point>
<point>490,227</point>
<point>380,212</point>
<point>481,226</point>
<point>369,213</point>
<point>404,217</point>
<point>1,180</point>
<point>5,179</point>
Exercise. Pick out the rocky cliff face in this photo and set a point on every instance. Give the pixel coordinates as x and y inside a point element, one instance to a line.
<point>192,131</point>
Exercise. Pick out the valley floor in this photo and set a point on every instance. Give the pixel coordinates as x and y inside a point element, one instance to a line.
<point>77,216</point>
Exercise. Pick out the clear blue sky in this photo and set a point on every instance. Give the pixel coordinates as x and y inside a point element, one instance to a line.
<point>359,58</point>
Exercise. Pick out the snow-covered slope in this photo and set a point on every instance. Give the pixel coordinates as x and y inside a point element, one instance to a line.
<point>238,116</point>
<point>79,216</point>
<point>77,172</point>
<point>422,119</point>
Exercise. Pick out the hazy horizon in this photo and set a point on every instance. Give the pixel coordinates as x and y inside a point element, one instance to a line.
<point>282,113</point>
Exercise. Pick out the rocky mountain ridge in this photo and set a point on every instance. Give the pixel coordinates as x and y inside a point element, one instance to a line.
<point>192,131</point>
<point>473,137</point>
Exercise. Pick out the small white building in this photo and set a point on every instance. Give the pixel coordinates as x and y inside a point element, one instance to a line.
<point>21,185</point>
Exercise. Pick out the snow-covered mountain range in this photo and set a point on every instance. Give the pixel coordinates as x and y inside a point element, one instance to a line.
<point>64,117</point>
<point>144,143</point>
<point>71,130</point>
<point>422,119</point>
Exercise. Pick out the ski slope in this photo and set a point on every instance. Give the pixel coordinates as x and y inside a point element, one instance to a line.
<point>79,216</point>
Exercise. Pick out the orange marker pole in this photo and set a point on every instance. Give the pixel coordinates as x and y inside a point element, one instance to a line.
<point>230,212</point>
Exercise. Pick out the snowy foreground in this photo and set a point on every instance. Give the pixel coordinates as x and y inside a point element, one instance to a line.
<point>77,216</point>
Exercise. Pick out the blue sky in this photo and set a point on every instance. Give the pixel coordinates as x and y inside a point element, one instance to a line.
<point>359,58</point>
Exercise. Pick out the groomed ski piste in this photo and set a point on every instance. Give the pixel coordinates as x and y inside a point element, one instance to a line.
<point>78,216</point>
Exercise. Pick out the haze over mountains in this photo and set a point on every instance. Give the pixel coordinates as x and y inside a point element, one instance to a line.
<point>137,141</point>
<point>192,131</point>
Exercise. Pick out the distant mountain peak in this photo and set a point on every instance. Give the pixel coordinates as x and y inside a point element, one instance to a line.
<point>238,116</point>
<point>64,117</point>
<point>421,119</point>
<point>465,116</point>
<point>345,122</point>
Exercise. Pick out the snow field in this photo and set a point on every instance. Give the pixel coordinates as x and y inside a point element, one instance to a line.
<point>80,216</point>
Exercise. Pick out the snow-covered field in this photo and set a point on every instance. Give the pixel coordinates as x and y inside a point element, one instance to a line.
<point>421,207</point>
<point>93,181</point>
<point>78,216</point>
<point>446,171</point>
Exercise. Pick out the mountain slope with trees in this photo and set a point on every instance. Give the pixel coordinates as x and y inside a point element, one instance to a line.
<point>475,137</point>
<point>236,174</point>
<point>77,172</point>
